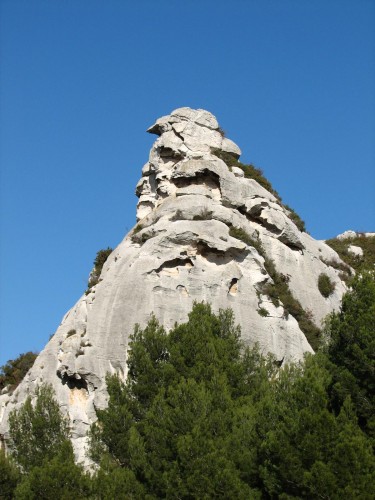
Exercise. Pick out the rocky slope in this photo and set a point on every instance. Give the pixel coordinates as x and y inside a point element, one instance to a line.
<point>355,249</point>
<point>204,232</point>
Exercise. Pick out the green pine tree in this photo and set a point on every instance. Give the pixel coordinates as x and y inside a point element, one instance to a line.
<point>9,476</point>
<point>352,351</point>
<point>200,416</point>
<point>58,478</point>
<point>37,431</point>
<point>170,423</point>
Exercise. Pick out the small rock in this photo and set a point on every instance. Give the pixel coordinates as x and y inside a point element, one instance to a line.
<point>238,172</point>
<point>355,250</point>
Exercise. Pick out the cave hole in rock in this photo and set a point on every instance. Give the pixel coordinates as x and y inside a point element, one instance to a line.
<point>168,154</point>
<point>220,257</point>
<point>233,287</point>
<point>170,264</point>
<point>254,215</point>
<point>297,246</point>
<point>206,178</point>
<point>146,205</point>
<point>72,382</point>
<point>162,194</point>
<point>182,290</point>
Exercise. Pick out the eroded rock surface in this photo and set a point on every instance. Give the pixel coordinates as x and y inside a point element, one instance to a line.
<point>182,251</point>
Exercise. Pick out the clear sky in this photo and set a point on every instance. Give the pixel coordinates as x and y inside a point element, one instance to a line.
<point>291,82</point>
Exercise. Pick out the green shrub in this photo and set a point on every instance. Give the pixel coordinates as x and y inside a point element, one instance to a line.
<point>99,261</point>
<point>262,312</point>
<point>58,478</point>
<point>240,234</point>
<point>325,285</point>
<point>145,237</point>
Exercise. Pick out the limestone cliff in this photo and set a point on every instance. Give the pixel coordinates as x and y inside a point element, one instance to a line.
<point>204,232</point>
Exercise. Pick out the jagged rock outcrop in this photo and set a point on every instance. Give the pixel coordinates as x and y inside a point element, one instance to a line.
<point>204,232</point>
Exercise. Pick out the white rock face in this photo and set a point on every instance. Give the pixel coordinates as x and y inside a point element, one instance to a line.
<point>346,234</point>
<point>353,234</point>
<point>355,250</point>
<point>182,252</point>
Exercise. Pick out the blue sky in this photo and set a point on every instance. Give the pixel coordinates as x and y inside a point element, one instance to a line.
<point>291,82</point>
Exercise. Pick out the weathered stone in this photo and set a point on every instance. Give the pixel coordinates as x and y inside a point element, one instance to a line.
<point>183,252</point>
<point>346,234</point>
<point>230,147</point>
<point>238,172</point>
<point>355,250</point>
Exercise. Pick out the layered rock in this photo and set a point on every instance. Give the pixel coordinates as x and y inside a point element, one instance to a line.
<point>182,250</point>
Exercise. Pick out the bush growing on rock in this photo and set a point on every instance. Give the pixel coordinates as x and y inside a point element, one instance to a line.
<point>240,234</point>
<point>99,262</point>
<point>262,312</point>
<point>325,285</point>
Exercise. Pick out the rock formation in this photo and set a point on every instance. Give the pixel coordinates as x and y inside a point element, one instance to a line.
<point>204,232</point>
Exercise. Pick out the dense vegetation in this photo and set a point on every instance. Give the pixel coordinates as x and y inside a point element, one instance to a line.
<point>201,416</point>
<point>352,351</point>
<point>14,370</point>
<point>252,172</point>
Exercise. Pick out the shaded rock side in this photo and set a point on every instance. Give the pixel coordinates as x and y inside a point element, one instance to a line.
<point>182,251</point>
